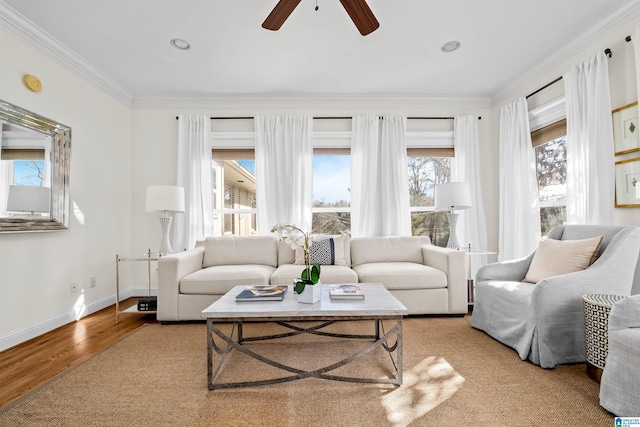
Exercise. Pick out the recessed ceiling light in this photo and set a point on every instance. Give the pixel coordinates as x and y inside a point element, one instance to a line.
<point>450,46</point>
<point>180,44</point>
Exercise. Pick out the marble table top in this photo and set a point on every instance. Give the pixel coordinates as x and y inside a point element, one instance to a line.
<point>378,302</point>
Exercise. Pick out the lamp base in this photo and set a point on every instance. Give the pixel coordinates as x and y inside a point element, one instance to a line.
<point>453,238</point>
<point>165,246</point>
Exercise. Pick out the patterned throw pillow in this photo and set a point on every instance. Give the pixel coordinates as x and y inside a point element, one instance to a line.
<point>323,252</point>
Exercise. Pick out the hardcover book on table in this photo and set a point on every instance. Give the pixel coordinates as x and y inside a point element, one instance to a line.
<point>345,291</point>
<point>262,293</point>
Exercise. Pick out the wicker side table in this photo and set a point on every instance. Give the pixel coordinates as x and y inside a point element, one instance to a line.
<point>596,331</point>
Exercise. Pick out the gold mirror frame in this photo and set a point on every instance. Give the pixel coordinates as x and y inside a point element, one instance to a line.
<point>61,153</point>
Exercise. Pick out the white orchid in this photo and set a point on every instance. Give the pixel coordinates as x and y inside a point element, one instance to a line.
<point>294,236</point>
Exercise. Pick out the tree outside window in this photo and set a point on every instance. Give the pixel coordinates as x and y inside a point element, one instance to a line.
<point>424,174</point>
<point>551,166</point>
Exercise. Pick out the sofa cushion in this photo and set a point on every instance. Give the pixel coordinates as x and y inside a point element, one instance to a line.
<point>556,257</point>
<point>218,280</point>
<point>286,274</point>
<point>286,255</point>
<point>366,250</point>
<point>401,275</point>
<point>234,250</point>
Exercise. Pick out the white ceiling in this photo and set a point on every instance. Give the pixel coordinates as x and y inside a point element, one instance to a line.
<point>319,52</point>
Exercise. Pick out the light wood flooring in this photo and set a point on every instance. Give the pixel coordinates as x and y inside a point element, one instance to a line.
<point>32,363</point>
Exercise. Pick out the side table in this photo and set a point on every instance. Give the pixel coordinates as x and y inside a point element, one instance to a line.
<point>596,331</point>
<point>470,280</point>
<point>148,257</point>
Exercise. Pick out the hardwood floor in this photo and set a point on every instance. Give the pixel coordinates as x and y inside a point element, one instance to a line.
<point>30,364</point>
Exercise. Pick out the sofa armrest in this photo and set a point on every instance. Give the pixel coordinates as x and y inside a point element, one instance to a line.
<point>625,314</point>
<point>454,264</point>
<point>512,270</point>
<point>171,269</point>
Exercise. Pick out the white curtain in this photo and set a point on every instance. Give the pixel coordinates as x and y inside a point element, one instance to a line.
<point>284,171</point>
<point>472,224</point>
<point>519,203</point>
<point>194,174</point>
<point>590,157</point>
<point>379,177</point>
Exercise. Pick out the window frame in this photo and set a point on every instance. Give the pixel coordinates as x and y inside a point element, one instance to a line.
<point>420,143</point>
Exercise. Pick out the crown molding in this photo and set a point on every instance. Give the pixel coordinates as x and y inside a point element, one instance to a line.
<point>17,25</point>
<point>622,16</point>
<point>311,101</point>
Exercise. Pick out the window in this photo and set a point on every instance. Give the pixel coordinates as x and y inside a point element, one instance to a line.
<point>425,172</point>
<point>23,162</point>
<point>331,193</point>
<point>551,165</point>
<point>234,193</point>
<point>234,201</point>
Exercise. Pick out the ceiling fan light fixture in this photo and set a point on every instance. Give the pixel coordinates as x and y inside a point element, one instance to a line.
<point>451,46</point>
<point>180,44</point>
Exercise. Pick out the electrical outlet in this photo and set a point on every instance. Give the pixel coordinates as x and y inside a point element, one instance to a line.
<point>92,282</point>
<point>74,287</point>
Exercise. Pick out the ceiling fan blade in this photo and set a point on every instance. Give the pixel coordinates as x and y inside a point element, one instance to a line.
<point>361,15</point>
<point>279,14</point>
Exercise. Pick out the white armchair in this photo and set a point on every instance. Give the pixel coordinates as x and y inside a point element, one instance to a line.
<point>620,383</point>
<point>544,321</point>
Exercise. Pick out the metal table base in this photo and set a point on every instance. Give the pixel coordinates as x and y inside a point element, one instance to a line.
<point>228,344</point>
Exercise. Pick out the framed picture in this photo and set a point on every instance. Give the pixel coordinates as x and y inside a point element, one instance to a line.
<point>628,183</point>
<point>625,129</point>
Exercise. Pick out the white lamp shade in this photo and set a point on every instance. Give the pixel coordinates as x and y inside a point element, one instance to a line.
<point>453,196</point>
<point>28,198</point>
<point>169,198</point>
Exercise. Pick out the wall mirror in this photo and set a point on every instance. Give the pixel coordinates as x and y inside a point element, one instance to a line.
<point>34,171</point>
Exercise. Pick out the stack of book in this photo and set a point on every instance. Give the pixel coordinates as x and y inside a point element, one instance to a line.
<point>346,291</point>
<point>262,293</point>
<point>148,304</point>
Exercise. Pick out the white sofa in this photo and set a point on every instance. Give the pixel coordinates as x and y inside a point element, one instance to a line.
<point>427,279</point>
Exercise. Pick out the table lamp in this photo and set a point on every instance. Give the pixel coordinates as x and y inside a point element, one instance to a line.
<point>452,196</point>
<point>165,198</point>
<point>28,198</point>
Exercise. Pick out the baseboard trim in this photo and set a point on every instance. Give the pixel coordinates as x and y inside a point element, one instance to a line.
<point>41,328</point>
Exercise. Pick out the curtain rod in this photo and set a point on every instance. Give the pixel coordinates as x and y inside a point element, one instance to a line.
<point>607,52</point>
<point>336,118</point>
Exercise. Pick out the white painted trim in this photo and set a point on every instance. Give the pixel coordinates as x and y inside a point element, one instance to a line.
<point>328,139</point>
<point>547,114</point>
<point>624,15</point>
<point>312,101</point>
<point>26,31</point>
<point>25,334</point>
<point>18,25</point>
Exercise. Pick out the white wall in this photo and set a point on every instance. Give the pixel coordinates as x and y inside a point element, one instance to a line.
<point>36,268</point>
<point>117,151</point>
<point>155,131</point>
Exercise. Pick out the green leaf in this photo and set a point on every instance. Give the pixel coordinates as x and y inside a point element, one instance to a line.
<point>315,273</point>
<point>299,286</point>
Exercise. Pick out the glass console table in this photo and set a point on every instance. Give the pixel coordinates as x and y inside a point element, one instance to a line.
<point>148,258</point>
<point>470,280</point>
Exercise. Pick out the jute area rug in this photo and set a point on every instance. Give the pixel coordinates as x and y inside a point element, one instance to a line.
<point>454,375</point>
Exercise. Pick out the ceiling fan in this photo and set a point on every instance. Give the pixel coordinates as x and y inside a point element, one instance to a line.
<point>358,10</point>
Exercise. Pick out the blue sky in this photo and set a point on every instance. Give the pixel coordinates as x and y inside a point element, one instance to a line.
<point>22,173</point>
<point>331,177</point>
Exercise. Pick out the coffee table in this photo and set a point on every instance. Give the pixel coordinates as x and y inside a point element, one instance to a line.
<point>378,305</point>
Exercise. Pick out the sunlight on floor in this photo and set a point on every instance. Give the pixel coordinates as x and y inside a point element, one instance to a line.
<point>424,387</point>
